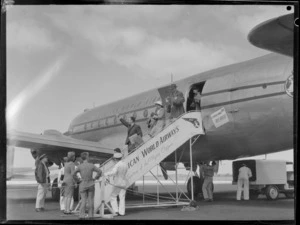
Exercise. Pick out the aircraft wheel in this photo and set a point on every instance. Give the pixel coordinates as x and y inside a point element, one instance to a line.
<point>254,194</point>
<point>55,192</point>
<point>272,192</point>
<point>197,186</point>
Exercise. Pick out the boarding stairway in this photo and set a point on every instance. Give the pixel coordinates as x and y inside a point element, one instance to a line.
<point>150,153</point>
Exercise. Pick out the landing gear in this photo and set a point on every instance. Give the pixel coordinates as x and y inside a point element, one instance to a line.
<point>197,186</point>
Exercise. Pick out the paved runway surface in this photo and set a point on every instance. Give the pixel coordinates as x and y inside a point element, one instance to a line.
<point>21,204</point>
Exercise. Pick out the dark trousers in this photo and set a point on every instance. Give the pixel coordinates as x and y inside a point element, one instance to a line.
<point>87,195</point>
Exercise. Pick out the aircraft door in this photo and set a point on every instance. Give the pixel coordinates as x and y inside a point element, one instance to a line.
<point>164,92</point>
<point>216,100</point>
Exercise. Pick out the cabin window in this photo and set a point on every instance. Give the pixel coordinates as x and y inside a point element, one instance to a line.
<point>78,128</point>
<point>95,124</point>
<point>145,113</point>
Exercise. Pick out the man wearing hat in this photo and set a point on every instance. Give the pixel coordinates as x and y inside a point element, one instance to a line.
<point>87,184</point>
<point>42,176</point>
<point>69,181</point>
<point>175,101</point>
<point>159,116</point>
<point>243,180</point>
<point>120,182</point>
<point>207,187</point>
<point>196,100</point>
<point>132,130</point>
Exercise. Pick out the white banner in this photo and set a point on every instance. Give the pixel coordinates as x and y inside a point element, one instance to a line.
<point>156,149</point>
<point>219,117</point>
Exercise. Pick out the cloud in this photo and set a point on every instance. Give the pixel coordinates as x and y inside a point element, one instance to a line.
<point>15,106</point>
<point>28,36</point>
<point>165,39</point>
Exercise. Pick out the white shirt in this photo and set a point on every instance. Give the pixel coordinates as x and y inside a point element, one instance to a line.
<point>244,173</point>
<point>119,172</point>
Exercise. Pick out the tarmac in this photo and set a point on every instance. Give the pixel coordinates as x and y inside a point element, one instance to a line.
<point>21,206</point>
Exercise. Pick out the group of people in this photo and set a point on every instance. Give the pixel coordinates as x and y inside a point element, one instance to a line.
<point>207,171</point>
<point>70,175</point>
<point>157,120</point>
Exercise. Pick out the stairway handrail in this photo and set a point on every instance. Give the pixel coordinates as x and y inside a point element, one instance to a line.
<point>108,160</point>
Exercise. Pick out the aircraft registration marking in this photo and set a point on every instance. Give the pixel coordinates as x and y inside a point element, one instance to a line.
<point>219,117</point>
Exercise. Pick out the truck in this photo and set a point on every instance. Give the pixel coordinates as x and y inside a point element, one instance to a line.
<point>269,177</point>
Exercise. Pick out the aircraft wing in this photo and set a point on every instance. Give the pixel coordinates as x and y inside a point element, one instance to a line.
<point>276,35</point>
<point>56,145</point>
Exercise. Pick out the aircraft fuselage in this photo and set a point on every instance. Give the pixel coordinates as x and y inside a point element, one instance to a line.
<point>253,93</point>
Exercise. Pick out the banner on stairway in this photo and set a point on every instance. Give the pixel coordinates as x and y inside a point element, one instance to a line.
<point>155,150</point>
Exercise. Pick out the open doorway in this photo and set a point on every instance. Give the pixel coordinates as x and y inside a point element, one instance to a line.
<point>190,97</point>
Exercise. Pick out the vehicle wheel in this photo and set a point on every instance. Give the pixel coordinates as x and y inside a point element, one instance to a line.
<point>55,192</point>
<point>272,192</point>
<point>254,194</point>
<point>197,186</point>
<point>289,194</point>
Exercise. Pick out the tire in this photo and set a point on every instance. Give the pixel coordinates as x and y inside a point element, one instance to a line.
<point>197,183</point>
<point>289,194</point>
<point>253,194</point>
<point>55,192</point>
<point>272,192</point>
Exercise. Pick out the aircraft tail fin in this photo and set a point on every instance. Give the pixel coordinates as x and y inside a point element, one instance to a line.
<point>275,35</point>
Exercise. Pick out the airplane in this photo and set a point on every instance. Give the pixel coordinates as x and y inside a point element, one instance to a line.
<point>256,95</point>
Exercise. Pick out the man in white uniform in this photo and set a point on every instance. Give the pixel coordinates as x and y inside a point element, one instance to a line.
<point>119,173</point>
<point>243,180</point>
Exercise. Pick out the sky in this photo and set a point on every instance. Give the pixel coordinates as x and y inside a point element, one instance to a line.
<point>64,59</point>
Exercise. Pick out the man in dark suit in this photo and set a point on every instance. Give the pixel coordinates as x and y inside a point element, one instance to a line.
<point>132,130</point>
<point>175,102</point>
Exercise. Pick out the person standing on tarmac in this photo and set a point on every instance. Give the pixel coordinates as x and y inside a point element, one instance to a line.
<point>208,172</point>
<point>42,176</point>
<point>119,184</point>
<point>69,182</point>
<point>61,185</point>
<point>243,180</point>
<point>87,184</point>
